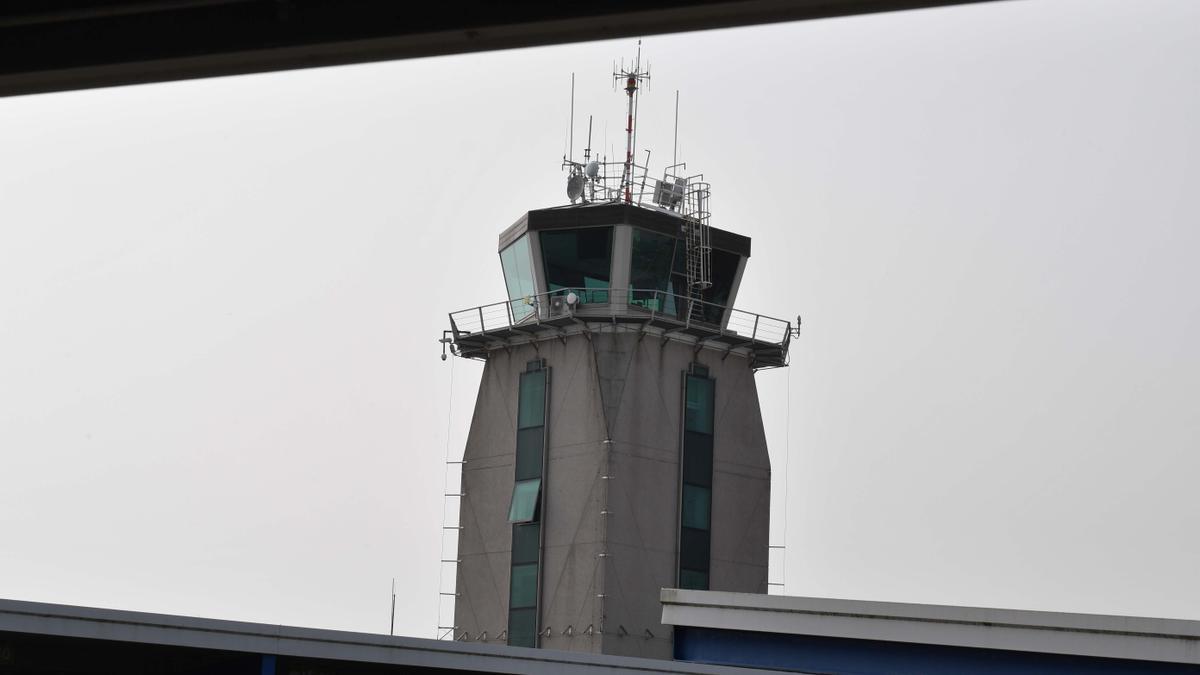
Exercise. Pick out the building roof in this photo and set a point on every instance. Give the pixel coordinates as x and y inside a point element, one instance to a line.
<point>89,623</point>
<point>1092,635</point>
<point>594,214</point>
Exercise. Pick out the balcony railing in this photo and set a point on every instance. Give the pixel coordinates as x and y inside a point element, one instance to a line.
<point>646,305</point>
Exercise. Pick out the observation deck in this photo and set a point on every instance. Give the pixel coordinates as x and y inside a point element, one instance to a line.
<point>666,316</point>
<point>612,266</point>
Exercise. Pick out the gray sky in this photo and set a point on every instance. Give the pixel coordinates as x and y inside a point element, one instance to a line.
<point>220,391</point>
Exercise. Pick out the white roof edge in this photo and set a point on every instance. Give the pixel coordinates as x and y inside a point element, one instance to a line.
<point>1098,635</point>
<point>185,631</point>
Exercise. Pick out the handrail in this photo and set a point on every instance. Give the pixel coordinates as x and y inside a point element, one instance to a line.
<point>590,303</point>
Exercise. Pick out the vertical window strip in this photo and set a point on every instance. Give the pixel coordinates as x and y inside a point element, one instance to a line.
<point>525,508</point>
<point>695,494</point>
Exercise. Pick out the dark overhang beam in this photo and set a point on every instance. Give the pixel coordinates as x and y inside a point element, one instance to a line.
<point>48,45</point>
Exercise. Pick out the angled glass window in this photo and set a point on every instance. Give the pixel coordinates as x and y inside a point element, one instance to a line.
<point>698,414</point>
<point>693,549</point>
<point>522,627</point>
<point>529,452</point>
<point>650,269</point>
<point>695,499</point>
<point>517,264</point>
<point>523,508</point>
<point>523,588</point>
<point>579,259</point>
<point>696,504</point>
<point>694,580</point>
<point>697,458</point>
<point>532,404</point>
<point>526,540</point>
<point>722,269</point>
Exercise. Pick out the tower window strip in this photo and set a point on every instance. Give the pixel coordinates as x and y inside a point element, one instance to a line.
<point>696,471</point>
<point>525,509</point>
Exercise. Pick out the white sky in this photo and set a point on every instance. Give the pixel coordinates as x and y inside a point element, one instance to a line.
<point>220,391</point>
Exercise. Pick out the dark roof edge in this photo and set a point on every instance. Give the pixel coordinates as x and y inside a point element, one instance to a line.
<point>38,618</point>
<point>513,232</point>
<point>597,215</point>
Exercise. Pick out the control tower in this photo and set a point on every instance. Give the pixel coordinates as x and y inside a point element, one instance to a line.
<point>617,445</point>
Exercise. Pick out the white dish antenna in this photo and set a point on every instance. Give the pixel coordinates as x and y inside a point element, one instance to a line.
<point>575,187</point>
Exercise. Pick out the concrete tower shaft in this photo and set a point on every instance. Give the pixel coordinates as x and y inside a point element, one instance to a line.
<point>612,489</point>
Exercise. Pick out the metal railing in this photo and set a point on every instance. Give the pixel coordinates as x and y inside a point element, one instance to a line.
<point>687,195</point>
<point>630,304</point>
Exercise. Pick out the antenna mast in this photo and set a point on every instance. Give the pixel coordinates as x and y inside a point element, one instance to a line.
<point>571,147</point>
<point>632,79</point>
<point>675,154</point>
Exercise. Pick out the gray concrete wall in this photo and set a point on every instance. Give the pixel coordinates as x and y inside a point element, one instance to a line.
<point>605,570</point>
<point>572,521</point>
<point>572,540</point>
<point>645,383</point>
<point>485,540</point>
<point>643,405</point>
<point>741,515</point>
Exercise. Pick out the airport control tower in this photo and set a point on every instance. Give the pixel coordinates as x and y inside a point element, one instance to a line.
<point>617,446</point>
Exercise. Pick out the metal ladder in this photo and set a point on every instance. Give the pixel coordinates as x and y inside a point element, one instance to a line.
<point>448,572</point>
<point>698,245</point>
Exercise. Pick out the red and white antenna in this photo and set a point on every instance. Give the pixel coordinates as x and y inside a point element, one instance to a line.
<point>632,79</point>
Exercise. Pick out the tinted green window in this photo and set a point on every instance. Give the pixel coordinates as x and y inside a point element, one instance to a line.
<point>522,627</point>
<point>699,405</point>
<point>697,458</point>
<point>523,591</point>
<point>696,504</point>
<point>517,264</point>
<point>722,270</point>
<point>580,259</point>
<point>693,549</point>
<point>532,403</point>
<point>524,510</point>
<point>526,540</point>
<point>696,496</point>
<point>529,453</point>
<point>650,269</point>
<point>691,579</point>
<point>524,501</point>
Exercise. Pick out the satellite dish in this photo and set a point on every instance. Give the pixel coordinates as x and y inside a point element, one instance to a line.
<point>572,298</point>
<point>574,187</point>
<point>593,169</point>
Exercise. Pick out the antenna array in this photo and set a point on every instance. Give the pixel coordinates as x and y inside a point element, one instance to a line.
<point>632,77</point>
<point>602,180</point>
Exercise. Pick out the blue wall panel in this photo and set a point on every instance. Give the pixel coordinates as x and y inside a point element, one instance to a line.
<point>839,656</point>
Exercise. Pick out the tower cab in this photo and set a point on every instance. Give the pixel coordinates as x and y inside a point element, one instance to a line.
<point>619,263</point>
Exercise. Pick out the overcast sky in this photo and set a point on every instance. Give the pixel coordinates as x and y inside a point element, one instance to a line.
<point>220,391</point>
